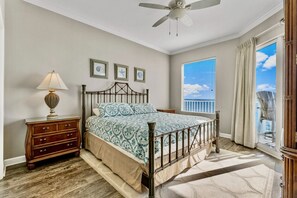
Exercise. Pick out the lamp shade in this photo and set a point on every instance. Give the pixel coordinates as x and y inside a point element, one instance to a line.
<point>52,82</point>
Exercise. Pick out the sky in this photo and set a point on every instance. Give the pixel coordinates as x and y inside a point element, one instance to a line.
<point>199,79</point>
<point>266,68</point>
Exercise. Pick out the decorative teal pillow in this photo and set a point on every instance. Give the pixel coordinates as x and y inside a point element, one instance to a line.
<point>143,108</point>
<point>114,109</point>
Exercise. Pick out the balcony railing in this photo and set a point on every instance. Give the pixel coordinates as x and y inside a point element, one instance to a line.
<point>199,105</point>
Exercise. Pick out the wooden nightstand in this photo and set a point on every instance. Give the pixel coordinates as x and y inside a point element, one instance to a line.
<point>51,138</point>
<point>166,110</point>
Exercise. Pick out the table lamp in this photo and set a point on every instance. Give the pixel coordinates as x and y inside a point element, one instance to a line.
<point>52,82</point>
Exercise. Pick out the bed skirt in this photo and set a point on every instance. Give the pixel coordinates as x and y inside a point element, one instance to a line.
<point>131,169</point>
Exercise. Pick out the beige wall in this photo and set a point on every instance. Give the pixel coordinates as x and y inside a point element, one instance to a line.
<point>225,54</point>
<point>1,84</point>
<point>38,41</point>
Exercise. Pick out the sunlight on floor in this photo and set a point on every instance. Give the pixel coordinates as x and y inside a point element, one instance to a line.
<point>228,172</point>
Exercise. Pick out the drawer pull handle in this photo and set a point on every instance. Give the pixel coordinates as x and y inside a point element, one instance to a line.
<point>281,185</point>
<point>67,125</point>
<point>42,150</point>
<point>69,144</point>
<point>41,140</point>
<point>45,128</point>
<point>69,134</point>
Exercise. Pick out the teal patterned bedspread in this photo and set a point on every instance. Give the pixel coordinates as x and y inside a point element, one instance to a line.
<point>131,132</point>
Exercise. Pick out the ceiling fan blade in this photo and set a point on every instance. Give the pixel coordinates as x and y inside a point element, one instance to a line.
<point>203,4</point>
<point>186,20</point>
<point>154,6</point>
<point>162,20</point>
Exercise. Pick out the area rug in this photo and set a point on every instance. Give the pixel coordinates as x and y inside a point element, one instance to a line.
<point>223,175</point>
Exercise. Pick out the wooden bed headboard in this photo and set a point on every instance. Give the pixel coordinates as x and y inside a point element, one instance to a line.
<point>118,92</point>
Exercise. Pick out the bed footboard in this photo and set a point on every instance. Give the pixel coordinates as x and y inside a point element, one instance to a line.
<point>190,138</point>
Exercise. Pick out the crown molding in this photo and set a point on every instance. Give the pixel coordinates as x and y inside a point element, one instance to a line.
<point>204,44</point>
<point>124,35</point>
<point>254,24</point>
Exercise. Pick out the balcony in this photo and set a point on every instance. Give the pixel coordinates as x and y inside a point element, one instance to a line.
<point>199,105</point>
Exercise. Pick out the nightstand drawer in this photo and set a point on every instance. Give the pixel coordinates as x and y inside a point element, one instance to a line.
<point>54,138</point>
<point>67,125</point>
<point>53,149</point>
<point>45,128</point>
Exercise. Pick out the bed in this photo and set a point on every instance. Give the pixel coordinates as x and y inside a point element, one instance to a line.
<point>146,148</point>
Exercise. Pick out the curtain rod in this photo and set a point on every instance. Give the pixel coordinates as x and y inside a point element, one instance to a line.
<point>281,22</point>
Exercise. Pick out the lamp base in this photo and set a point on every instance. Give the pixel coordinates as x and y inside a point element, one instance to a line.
<point>52,100</point>
<point>52,116</point>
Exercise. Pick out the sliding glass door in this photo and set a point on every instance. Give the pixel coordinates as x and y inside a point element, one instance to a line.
<point>269,96</point>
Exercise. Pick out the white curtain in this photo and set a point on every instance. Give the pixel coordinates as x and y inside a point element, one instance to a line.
<point>243,128</point>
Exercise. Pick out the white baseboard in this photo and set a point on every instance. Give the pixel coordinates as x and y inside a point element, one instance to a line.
<point>3,173</point>
<point>225,135</point>
<point>14,161</point>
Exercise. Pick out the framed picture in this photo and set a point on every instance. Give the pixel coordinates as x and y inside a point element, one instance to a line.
<point>121,72</point>
<point>98,68</point>
<point>139,74</point>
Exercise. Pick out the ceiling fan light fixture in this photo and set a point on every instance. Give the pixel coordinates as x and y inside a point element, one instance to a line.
<point>178,10</point>
<point>177,13</point>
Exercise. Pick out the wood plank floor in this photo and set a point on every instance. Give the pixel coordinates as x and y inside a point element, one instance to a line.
<point>68,177</point>
<point>72,177</point>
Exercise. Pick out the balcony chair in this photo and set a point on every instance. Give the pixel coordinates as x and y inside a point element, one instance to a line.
<point>268,112</point>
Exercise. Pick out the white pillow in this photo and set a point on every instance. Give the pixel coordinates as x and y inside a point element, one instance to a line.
<point>96,111</point>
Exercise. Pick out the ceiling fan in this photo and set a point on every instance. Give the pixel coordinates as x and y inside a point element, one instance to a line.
<point>178,10</point>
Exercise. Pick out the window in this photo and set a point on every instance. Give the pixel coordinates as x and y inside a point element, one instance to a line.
<point>266,74</point>
<point>199,86</point>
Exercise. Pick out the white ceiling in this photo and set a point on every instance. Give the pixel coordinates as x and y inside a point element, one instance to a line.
<point>231,19</point>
